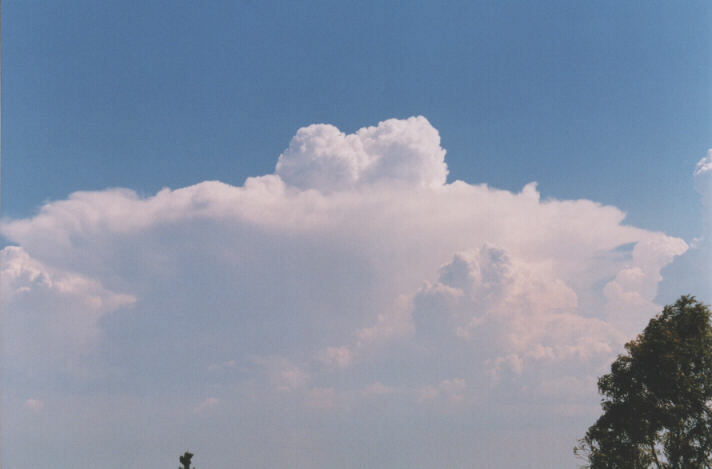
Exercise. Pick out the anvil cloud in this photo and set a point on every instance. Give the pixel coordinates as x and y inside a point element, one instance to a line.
<point>313,284</point>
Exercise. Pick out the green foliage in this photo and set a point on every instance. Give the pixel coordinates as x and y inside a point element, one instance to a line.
<point>657,398</point>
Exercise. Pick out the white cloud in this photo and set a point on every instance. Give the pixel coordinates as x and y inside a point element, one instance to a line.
<point>282,374</point>
<point>395,321</point>
<point>228,364</point>
<point>355,263</point>
<point>205,405</point>
<point>703,184</point>
<point>518,310</point>
<point>703,175</point>
<point>340,357</point>
<point>691,273</point>
<point>34,405</point>
<point>322,157</point>
<point>321,398</point>
<point>511,363</point>
<point>377,389</point>
<point>631,293</point>
<point>451,392</point>
<point>50,317</point>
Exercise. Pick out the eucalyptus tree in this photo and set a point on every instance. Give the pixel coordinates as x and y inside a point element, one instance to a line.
<point>657,397</point>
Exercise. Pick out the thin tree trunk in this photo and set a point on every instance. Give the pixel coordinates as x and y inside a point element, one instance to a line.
<point>655,455</point>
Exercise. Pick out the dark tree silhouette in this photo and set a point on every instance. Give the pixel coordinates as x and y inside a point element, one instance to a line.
<point>657,398</point>
<point>185,460</point>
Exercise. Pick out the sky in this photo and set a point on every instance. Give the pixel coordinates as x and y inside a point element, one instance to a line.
<point>339,234</point>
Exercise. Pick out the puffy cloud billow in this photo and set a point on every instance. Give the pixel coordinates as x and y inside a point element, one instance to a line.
<point>322,157</point>
<point>354,268</point>
<point>51,318</point>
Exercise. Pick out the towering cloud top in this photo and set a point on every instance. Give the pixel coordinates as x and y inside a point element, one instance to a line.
<point>322,157</point>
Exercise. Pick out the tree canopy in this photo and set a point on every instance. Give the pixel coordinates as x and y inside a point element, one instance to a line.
<point>657,397</point>
<point>185,460</point>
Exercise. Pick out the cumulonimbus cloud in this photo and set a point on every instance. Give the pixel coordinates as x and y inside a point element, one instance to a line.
<point>355,246</point>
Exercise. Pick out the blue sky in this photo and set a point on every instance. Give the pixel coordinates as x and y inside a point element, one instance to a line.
<point>338,298</point>
<point>603,100</point>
